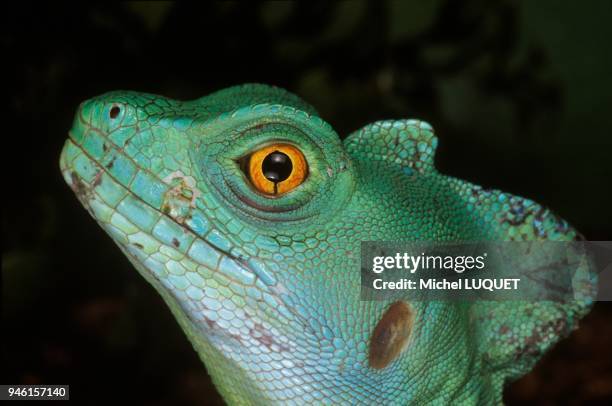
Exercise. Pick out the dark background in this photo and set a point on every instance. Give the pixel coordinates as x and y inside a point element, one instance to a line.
<point>519,94</point>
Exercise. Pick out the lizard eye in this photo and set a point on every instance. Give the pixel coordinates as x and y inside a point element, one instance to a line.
<point>276,169</point>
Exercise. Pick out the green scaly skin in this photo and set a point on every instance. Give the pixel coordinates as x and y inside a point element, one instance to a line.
<point>267,290</point>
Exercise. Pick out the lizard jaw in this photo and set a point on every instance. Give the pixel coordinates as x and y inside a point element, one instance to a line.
<point>201,280</point>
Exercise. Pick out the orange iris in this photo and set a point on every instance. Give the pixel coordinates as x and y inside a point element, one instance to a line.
<point>277,169</point>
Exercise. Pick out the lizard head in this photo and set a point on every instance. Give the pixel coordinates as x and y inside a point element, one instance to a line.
<point>223,205</point>
<point>245,211</point>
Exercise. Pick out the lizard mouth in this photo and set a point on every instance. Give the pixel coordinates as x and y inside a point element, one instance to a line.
<point>220,293</point>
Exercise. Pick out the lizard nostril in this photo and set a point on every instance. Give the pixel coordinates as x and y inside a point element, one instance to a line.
<point>114,112</point>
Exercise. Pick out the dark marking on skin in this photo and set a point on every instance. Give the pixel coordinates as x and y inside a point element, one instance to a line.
<point>517,214</point>
<point>391,335</point>
<point>265,338</point>
<point>476,192</point>
<point>104,147</point>
<point>532,343</point>
<point>258,126</point>
<point>77,185</point>
<point>210,323</point>
<point>176,242</point>
<point>236,337</point>
<point>138,245</point>
<point>417,155</point>
<point>98,179</point>
<point>81,190</point>
<point>111,163</point>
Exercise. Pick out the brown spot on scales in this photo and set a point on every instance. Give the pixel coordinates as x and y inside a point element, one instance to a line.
<point>391,335</point>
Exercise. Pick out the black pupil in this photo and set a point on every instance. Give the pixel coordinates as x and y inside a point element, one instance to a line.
<point>277,167</point>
